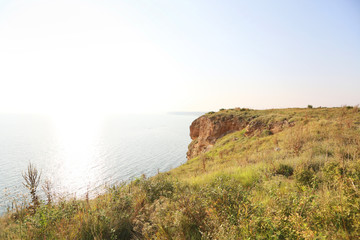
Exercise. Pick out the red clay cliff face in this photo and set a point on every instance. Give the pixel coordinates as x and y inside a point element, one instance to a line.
<point>205,130</point>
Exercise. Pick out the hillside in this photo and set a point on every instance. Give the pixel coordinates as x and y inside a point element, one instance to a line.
<point>250,174</point>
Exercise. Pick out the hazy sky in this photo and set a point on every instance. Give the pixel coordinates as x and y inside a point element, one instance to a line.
<point>185,55</point>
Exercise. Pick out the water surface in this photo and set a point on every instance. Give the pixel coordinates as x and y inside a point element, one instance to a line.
<point>83,153</point>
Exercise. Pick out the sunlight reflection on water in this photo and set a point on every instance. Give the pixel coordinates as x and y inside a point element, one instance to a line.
<point>78,142</point>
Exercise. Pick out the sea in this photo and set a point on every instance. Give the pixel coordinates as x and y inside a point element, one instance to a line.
<point>81,155</point>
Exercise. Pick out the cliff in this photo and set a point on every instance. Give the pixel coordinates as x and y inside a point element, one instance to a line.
<point>205,130</point>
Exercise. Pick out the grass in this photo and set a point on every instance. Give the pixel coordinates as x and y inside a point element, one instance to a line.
<point>300,183</point>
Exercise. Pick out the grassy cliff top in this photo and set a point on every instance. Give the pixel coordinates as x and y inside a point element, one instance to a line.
<point>320,127</point>
<point>293,114</point>
<point>302,182</point>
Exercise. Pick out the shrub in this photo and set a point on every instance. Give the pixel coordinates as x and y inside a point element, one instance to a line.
<point>266,133</point>
<point>356,109</point>
<point>314,166</point>
<point>227,197</point>
<point>310,106</point>
<point>296,140</point>
<point>305,177</point>
<point>285,170</point>
<point>156,187</point>
<point>192,218</point>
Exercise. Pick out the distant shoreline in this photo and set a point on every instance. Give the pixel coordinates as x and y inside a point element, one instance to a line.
<point>187,113</point>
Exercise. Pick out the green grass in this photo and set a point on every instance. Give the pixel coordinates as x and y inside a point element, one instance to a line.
<point>300,183</point>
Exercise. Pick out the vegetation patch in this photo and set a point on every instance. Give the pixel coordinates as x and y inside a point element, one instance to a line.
<point>285,170</point>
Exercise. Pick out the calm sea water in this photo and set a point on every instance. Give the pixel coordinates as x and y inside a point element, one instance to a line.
<point>78,154</point>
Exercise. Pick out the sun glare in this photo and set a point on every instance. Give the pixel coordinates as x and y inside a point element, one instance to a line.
<point>78,140</point>
<point>65,67</point>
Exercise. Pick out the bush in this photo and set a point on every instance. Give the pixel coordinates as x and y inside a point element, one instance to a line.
<point>285,170</point>
<point>307,176</point>
<point>266,133</point>
<point>310,106</point>
<point>296,140</point>
<point>227,197</point>
<point>192,218</point>
<point>156,187</point>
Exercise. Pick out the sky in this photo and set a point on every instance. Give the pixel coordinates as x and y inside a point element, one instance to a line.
<point>107,56</point>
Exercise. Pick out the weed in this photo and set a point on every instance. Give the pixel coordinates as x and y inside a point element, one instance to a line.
<point>285,170</point>
<point>32,180</point>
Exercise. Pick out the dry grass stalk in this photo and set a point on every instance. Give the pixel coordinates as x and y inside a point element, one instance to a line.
<point>47,188</point>
<point>32,179</point>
